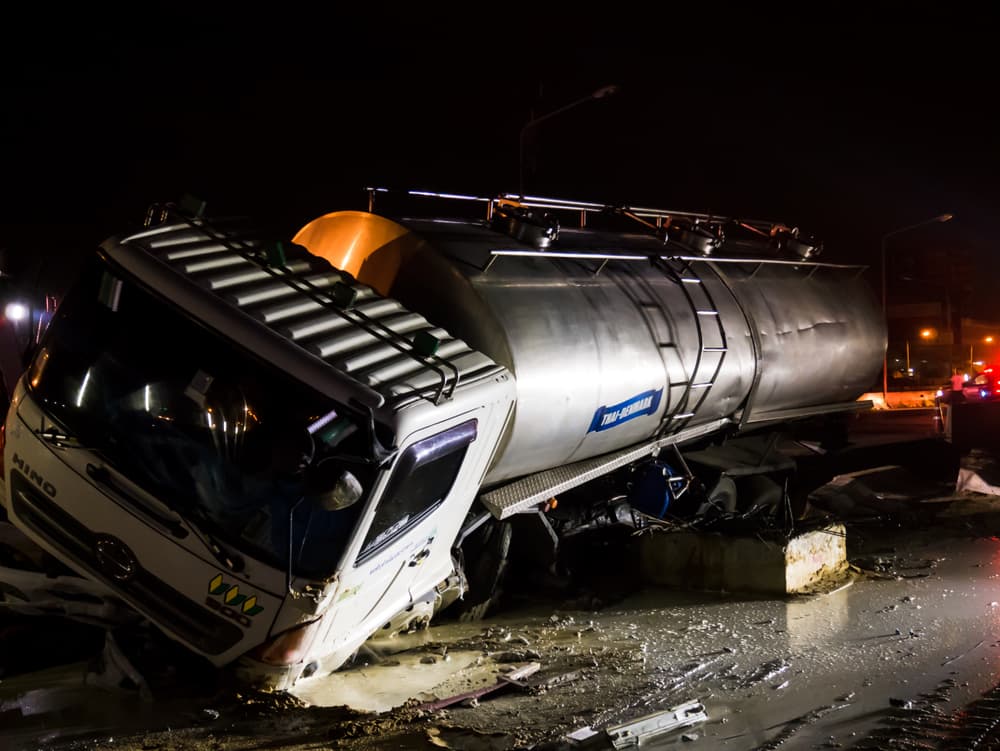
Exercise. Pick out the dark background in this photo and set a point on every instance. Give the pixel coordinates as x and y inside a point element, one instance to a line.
<point>845,122</point>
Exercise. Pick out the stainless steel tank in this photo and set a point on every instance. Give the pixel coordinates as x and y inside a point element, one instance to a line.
<point>614,338</point>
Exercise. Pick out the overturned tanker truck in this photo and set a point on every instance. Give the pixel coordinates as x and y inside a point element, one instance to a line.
<point>276,452</point>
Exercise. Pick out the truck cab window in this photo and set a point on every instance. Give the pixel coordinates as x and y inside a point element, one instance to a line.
<point>216,433</point>
<point>423,477</point>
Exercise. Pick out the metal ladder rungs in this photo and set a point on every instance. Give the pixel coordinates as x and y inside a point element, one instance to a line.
<point>682,416</point>
<point>706,385</point>
<point>708,312</point>
<point>714,349</point>
<point>690,280</point>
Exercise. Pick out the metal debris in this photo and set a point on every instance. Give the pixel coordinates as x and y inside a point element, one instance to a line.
<point>543,684</point>
<point>767,671</point>
<point>503,681</point>
<point>523,655</point>
<point>581,734</point>
<point>633,733</point>
<point>963,654</point>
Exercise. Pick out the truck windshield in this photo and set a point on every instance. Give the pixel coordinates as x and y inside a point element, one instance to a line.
<point>217,434</point>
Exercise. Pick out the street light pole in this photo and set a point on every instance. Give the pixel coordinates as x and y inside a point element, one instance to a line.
<point>885,237</point>
<point>599,94</point>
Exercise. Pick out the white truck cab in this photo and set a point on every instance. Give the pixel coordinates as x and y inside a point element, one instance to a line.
<point>252,496</point>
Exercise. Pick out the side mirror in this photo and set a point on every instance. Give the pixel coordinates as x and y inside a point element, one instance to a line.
<point>330,487</point>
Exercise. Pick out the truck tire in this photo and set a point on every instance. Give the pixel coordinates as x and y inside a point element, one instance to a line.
<point>484,556</point>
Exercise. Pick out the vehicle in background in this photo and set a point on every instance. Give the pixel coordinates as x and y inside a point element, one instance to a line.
<point>983,386</point>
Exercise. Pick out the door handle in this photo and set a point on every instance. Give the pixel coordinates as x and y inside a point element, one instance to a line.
<point>419,557</point>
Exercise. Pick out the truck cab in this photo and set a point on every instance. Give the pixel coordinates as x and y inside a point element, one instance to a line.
<point>268,494</point>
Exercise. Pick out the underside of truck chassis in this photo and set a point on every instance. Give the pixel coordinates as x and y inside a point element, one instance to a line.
<point>750,483</point>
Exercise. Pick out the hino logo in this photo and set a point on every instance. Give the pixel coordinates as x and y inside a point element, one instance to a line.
<point>34,476</point>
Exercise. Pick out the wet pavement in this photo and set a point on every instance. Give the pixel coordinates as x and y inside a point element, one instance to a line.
<point>901,650</point>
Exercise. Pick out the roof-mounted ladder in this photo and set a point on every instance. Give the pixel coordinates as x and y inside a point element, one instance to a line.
<point>337,298</point>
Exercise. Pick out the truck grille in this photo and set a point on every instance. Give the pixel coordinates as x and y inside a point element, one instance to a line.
<point>163,604</point>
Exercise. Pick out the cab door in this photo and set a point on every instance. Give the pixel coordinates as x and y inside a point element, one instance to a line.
<point>408,540</point>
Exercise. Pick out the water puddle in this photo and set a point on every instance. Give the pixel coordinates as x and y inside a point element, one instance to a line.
<point>392,683</point>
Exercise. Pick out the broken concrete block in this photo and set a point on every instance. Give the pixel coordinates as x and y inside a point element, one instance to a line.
<point>705,561</point>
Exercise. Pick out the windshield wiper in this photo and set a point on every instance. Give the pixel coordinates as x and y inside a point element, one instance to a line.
<point>175,527</point>
<point>103,476</point>
<point>57,438</point>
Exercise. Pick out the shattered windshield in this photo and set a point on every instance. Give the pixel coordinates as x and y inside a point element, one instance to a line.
<point>212,431</point>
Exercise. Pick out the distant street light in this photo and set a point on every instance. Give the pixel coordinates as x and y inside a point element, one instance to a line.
<point>988,339</point>
<point>599,94</point>
<point>885,237</point>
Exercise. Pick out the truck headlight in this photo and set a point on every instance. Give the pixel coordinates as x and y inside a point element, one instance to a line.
<point>288,647</point>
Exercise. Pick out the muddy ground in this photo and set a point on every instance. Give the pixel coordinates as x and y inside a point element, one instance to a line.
<point>904,641</point>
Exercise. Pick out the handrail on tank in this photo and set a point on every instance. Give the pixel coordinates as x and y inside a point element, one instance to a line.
<point>760,226</point>
<point>639,212</point>
<point>694,230</point>
<point>605,257</point>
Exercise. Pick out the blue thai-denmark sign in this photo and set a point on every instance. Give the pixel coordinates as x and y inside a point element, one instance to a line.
<point>613,415</point>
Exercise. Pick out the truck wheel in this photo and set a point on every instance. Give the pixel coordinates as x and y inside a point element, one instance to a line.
<point>484,556</point>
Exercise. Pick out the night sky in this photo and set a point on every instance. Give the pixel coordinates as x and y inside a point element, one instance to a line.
<point>846,124</point>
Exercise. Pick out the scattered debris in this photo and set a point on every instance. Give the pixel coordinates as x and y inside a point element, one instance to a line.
<point>581,734</point>
<point>543,684</point>
<point>767,671</point>
<point>978,473</point>
<point>640,730</point>
<point>504,681</point>
<point>523,655</point>
<point>467,740</point>
<point>793,726</point>
<point>963,654</point>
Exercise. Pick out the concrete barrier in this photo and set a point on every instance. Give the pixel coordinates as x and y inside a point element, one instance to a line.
<point>715,562</point>
<point>901,399</point>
